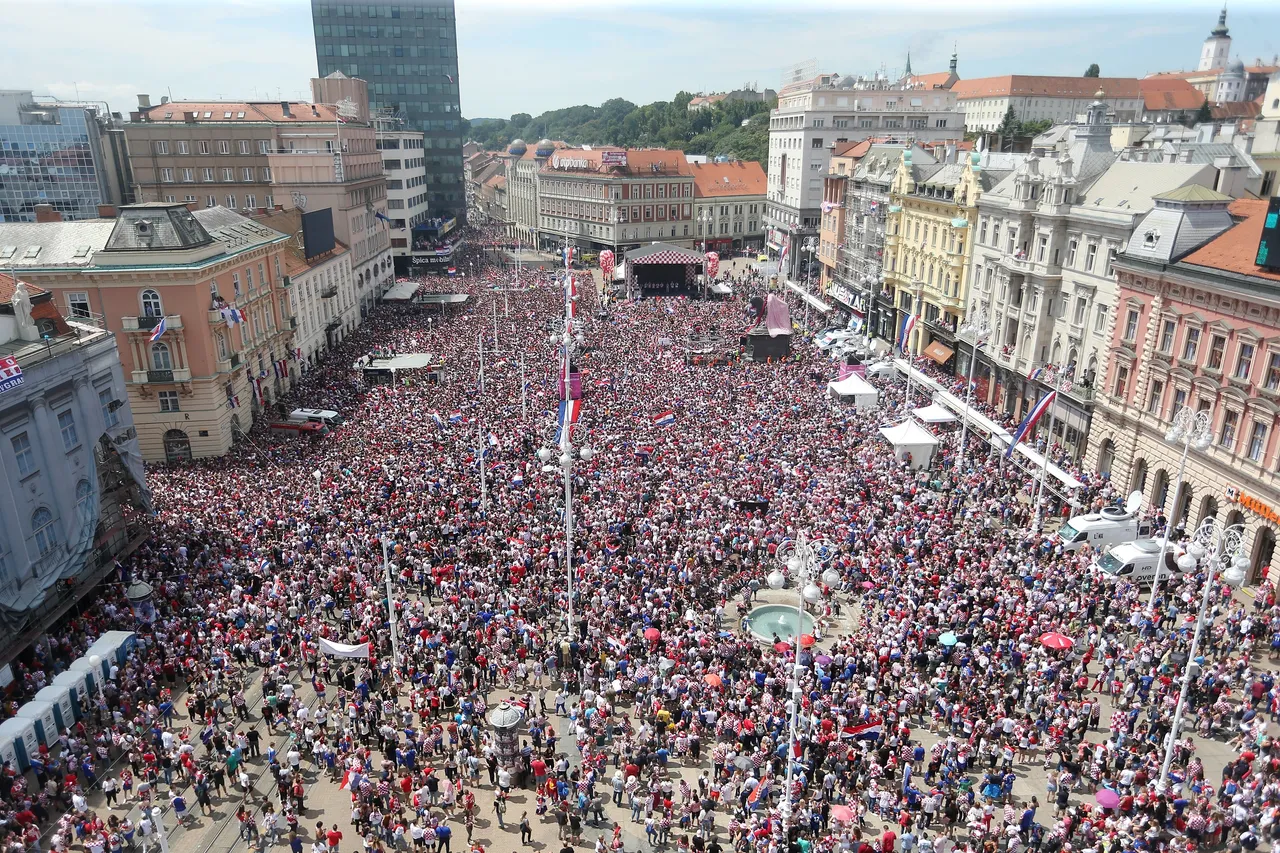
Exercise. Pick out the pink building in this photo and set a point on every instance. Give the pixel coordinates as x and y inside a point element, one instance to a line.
<point>1197,326</point>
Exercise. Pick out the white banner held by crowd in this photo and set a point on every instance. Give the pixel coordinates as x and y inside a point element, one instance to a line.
<point>342,650</point>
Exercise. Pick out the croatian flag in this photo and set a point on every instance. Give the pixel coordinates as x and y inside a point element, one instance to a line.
<point>644,452</point>
<point>438,420</point>
<point>758,793</point>
<point>158,330</point>
<point>567,255</point>
<point>453,270</point>
<point>782,259</point>
<point>1029,422</point>
<point>665,419</point>
<point>493,439</point>
<point>517,481</point>
<point>612,546</point>
<point>616,646</point>
<point>1039,372</point>
<point>866,731</point>
<point>455,418</point>
<point>566,416</point>
<point>908,326</point>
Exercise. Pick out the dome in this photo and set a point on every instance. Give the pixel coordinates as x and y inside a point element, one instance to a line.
<point>1236,68</point>
<point>545,148</point>
<point>517,147</point>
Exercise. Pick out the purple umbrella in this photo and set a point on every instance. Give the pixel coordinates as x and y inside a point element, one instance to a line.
<point>1107,798</point>
<point>824,659</point>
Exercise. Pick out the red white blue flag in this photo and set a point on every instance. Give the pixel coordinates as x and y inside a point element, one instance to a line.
<point>1029,422</point>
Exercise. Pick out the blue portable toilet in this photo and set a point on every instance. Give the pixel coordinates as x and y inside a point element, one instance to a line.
<point>78,684</point>
<point>18,742</point>
<point>41,713</point>
<point>64,706</point>
<point>114,646</point>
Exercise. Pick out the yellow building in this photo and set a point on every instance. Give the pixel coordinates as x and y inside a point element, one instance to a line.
<point>927,245</point>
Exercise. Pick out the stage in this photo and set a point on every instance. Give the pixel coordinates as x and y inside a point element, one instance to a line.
<point>662,269</point>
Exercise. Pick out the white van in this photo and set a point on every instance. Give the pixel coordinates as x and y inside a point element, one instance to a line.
<point>316,416</point>
<point>1100,530</point>
<point>1136,561</point>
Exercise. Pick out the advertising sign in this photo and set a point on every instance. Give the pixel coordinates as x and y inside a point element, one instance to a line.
<point>613,158</point>
<point>10,373</point>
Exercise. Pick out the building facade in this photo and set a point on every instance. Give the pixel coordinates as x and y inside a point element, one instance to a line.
<point>67,156</point>
<point>321,289</point>
<point>213,277</point>
<point>408,52</point>
<point>1198,327</point>
<point>985,100</point>
<point>813,116</point>
<point>338,166</point>
<point>728,205</point>
<point>74,488</point>
<point>613,198</point>
<point>522,167</point>
<point>928,242</point>
<point>407,197</point>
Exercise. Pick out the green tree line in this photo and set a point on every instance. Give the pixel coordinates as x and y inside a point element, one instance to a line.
<point>714,131</point>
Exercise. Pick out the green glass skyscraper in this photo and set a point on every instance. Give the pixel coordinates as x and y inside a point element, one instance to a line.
<point>407,51</point>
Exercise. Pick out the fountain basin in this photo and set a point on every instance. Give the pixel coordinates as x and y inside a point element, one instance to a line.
<point>780,619</point>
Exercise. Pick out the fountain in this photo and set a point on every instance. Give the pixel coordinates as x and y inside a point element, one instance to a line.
<point>780,619</point>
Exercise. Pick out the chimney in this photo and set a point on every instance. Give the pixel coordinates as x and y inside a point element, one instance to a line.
<point>135,116</point>
<point>144,102</point>
<point>284,108</point>
<point>164,99</point>
<point>106,211</point>
<point>46,213</point>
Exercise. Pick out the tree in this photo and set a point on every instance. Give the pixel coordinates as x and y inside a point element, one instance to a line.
<point>1033,128</point>
<point>1009,124</point>
<point>1204,114</point>
<point>1093,71</point>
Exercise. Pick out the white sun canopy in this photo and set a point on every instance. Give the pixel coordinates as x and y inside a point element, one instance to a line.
<point>935,414</point>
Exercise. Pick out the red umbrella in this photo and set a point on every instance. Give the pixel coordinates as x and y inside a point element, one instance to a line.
<point>652,634</point>
<point>781,647</point>
<point>1054,640</point>
<point>841,814</point>
<point>807,640</point>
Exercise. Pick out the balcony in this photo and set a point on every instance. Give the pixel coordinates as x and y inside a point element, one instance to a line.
<point>172,323</point>
<point>1082,393</point>
<point>235,360</point>
<point>293,322</point>
<point>329,292</point>
<point>286,282</point>
<point>161,377</point>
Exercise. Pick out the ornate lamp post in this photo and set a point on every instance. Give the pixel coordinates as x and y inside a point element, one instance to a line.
<point>1189,429</point>
<point>978,329</point>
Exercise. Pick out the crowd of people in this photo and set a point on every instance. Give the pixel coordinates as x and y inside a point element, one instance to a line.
<point>923,702</point>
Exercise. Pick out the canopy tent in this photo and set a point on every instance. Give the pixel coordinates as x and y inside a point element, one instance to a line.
<point>880,368</point>
<point>911,442</point>
<point>721,289</point>
<point>401,291</point>
<point>935,414</point>
<point>816,303</point>
<point>663,269</point>
<point>853,387</point>
<point>620,272</point>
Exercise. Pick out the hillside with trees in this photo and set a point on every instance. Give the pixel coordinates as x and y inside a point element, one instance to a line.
<point>715,131</point>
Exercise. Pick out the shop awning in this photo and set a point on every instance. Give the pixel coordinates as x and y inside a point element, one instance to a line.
<point>817,304</point>
<point>939,352</point>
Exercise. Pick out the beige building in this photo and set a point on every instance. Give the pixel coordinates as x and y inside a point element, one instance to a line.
<point>728,204</point>
<point>212,279</point>
<point>985,100</point>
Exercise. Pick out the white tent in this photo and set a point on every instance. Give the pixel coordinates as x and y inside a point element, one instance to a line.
<point>935,414</point>
<point>880,368</point>
<point>853,387</point>
<point>911,443</point>
<point>620,272</point>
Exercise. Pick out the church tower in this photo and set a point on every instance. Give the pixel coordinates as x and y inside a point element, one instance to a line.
<point>1217,47</point>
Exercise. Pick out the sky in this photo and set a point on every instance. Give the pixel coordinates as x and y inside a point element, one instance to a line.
<point>530,57</point>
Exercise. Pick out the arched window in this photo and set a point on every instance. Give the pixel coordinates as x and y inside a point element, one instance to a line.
<point>85,509</point>
<point>42,528</point>
<point>151,304</point>
<point>160,359</point>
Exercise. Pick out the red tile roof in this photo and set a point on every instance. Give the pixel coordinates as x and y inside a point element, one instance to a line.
<point>1169,93</point>
<point>1261,69</point>
<point>1019,85</point>
<point>1235,249</point>
<point>640,162</point>
<point>42,305</point>
<point>930,81</point>
<point>7,285</point>
<point>254,111</point>
<point>740,177</point>
<point>1236,109</point>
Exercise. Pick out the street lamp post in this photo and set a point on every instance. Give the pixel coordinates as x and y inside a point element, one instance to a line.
<point>570,442</point>
<point>1190,429</point>
<point>1057,379</point>
<point>807,248</point>
<point>391,607</point>
<point>978,328</point>
<point>1223,547</point>
<point>800,557</point>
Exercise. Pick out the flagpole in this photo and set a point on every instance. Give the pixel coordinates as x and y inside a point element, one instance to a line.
<point>524,396</point>
<point>484,483</point>
<point>1048,440</point>
<point>480,340</point>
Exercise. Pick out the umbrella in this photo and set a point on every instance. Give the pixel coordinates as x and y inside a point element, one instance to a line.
<point>807,640</point>
<point>652,634</point>
<point>712,679</point>
<point>742,762</point>
<point>823,659</point>
<point>867,585</point>
<point>781,647</point>
<point>1054,640</point>
<point>841,814</point>
<point>948,639</point>
<point>1107,798</point>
